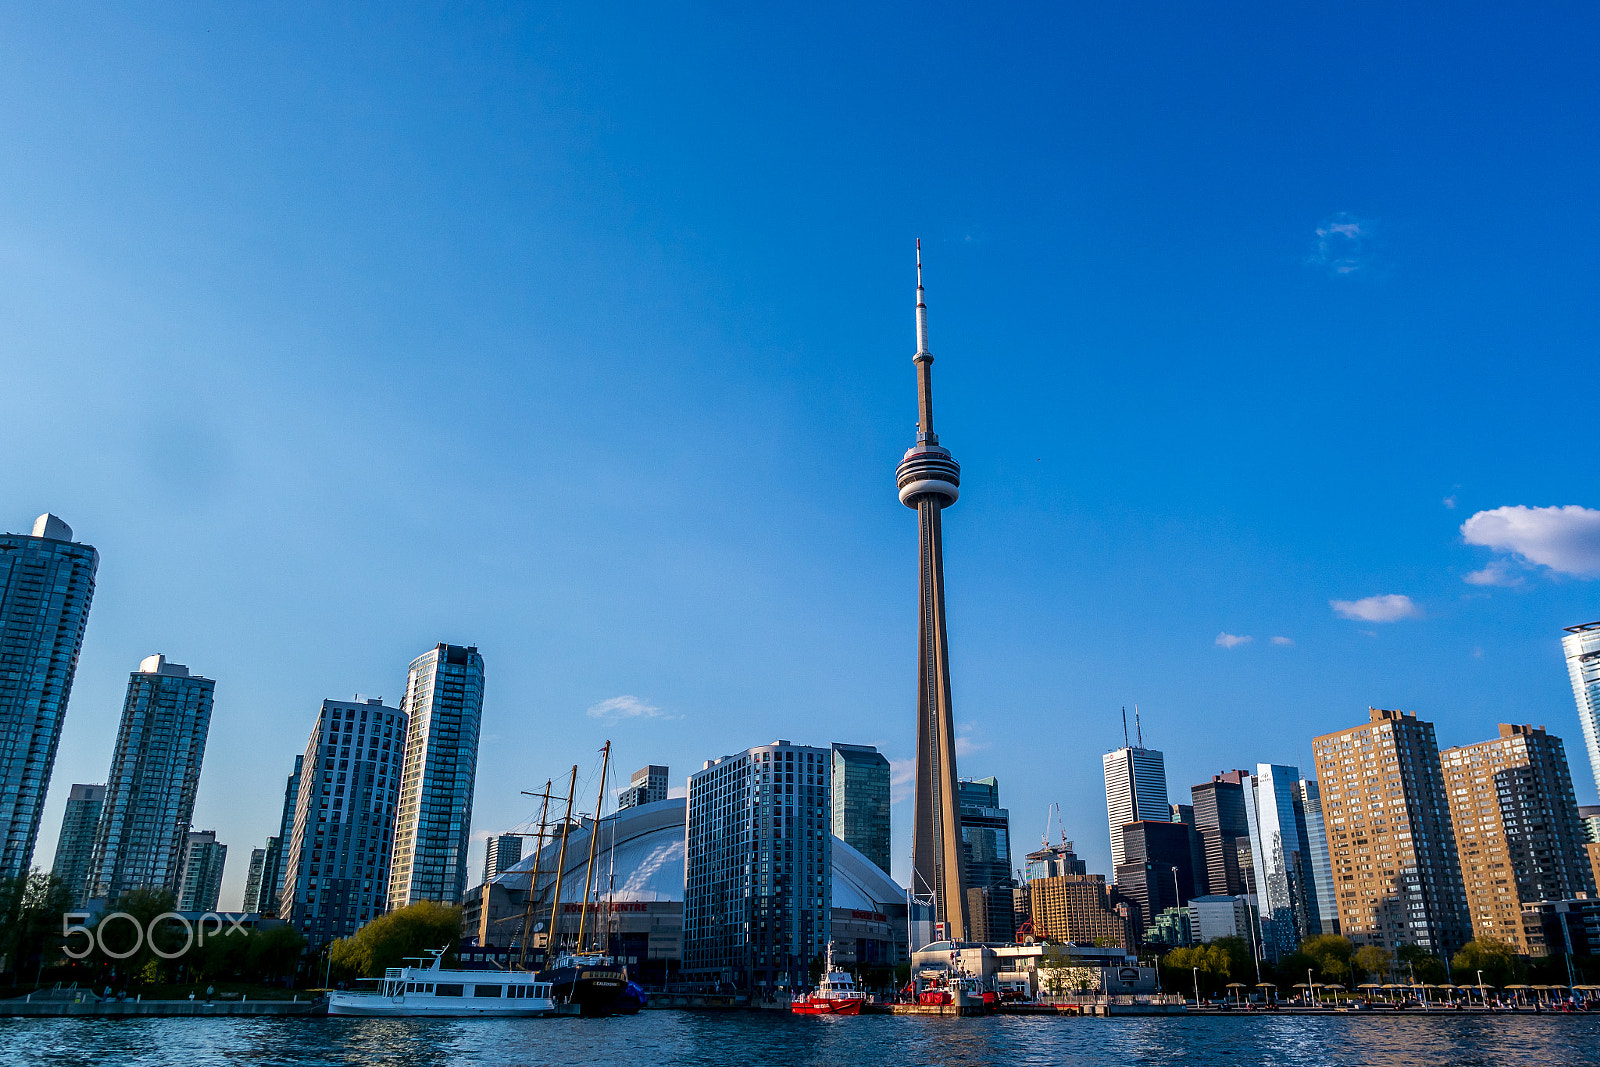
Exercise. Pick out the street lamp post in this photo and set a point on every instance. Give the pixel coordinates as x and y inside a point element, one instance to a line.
<point>1310,988</point>
<point>1196,986</point>
<point>1481,995</point>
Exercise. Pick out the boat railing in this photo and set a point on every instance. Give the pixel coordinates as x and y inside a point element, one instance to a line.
<point>393,972</point>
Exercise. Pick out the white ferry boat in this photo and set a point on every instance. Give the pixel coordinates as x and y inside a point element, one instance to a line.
<point>432,990</point>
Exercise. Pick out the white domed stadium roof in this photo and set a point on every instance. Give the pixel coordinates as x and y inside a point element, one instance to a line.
<point>642,848</point>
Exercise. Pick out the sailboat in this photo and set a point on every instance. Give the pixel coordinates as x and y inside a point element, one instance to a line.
<point>592,981</point>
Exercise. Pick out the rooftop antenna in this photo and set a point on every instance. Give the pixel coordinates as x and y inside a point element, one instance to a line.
<point>1125,727</point>
<point>1137,729</point>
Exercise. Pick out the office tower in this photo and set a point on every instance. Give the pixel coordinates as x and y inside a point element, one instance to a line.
<point>1224,832</point>
<point>1582,648</point>
<point>46,583</point>
<point>1157,872</point>
<point>1517,833</point>
<point>860,801</point>
<point>444,702</point>
<point>986,849</point>
<point>1282,856</point>
<point>75,846</point>
<point>759,867</point>
<point>252,881</point>
<point>1183,813</point>
<point>1388,823</point>
<point>501,852</point>
<point>648,785</point>
<point>200,884</point>
<point>155,771</point>
<point>1219,915</point>
<point>1051,861</point>
<point>1136,791</point>
<point>1079,909</point>
<point>1310,800</point>
<point>339,849</point>
<point>928,479</point>
<point>275,867</point>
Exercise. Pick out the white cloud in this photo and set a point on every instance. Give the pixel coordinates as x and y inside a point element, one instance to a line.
<point>623,707</point>
<point>1498,572</point>
<point>1564,539</point>
<point>1227,640</point>
<point>1283,640</point>
<point>902,776</point>
<point>1391,607</point>
<point>1343,244</point>
<point>1450,501</point>
<point>966,744</point>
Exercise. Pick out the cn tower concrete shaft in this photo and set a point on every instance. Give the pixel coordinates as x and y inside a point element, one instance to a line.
<point>929,480</point>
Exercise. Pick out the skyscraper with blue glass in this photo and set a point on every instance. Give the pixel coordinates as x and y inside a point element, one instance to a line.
<point>1582,648</point>
<point>444,705</point>
<point>1286,864</point>
<point>46,583</point>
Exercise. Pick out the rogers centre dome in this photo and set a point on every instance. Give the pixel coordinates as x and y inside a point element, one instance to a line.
<point>639,857</point>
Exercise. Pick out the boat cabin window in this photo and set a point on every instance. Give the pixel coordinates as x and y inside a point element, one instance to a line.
<point>444,990</point>
<point>486,991</point>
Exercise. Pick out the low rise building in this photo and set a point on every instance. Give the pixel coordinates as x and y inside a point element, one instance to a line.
<point>1030,970</point>
<point>1219,915</point>
<point>1562,927</point>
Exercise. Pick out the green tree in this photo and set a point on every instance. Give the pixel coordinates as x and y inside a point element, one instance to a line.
<point>274,952</point>
<point>31,907</point>
<point>122,944</point>
<point>1495,958</point>
<point>1330,955</point>
<point>1373,962</point>
<point>1214,962</point>
<point>389,939</point>
<point>1418,964</point>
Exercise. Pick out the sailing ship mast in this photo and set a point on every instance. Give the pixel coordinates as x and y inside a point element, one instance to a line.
<point>533,880</point>
<point>594,834</point>
<point>561,864</point>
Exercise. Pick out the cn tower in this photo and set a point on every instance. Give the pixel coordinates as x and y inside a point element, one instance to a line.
<point>929,480</point>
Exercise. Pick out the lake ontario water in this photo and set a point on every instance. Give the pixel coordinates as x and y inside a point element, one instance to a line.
<point>657,1038</point>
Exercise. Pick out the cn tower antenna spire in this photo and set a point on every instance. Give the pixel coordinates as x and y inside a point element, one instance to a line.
<point>929,480</point>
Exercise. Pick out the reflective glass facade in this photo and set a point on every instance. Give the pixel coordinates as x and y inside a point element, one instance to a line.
<point>1582,648</point>
<point>860,801</point>
<point>1280,847</point>
<point>75,846</point>
<point>46,584</point>
<point>444,705</point>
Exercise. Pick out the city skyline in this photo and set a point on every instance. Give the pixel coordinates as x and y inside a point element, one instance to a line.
<point>1233,367</point>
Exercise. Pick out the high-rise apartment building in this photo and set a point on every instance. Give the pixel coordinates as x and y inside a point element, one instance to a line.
<point>759,867</point>
<point>275,867</point>
<point>1158,871</point>
<point>502,851</point>
<point>201,882</point>
<point>75,846</point>
<point>252,880</point>
<point>340,848</point>
<point>1394,865</point>
<point>1589,815</point>
<point>1284,816</point>
<point>647,786</point>
<point>1080,909</point>
<point>46,584</point>
<point>860,802</point>
<point>1582,648</point>
<point>986,850</point>
<point>444,704</point>
<point>1136,791</point>
<point>1224,831</point>
<point>155,771</point>
<point>1516,826</point>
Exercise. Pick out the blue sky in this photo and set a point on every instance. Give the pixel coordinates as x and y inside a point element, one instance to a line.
<point>582,335</point>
